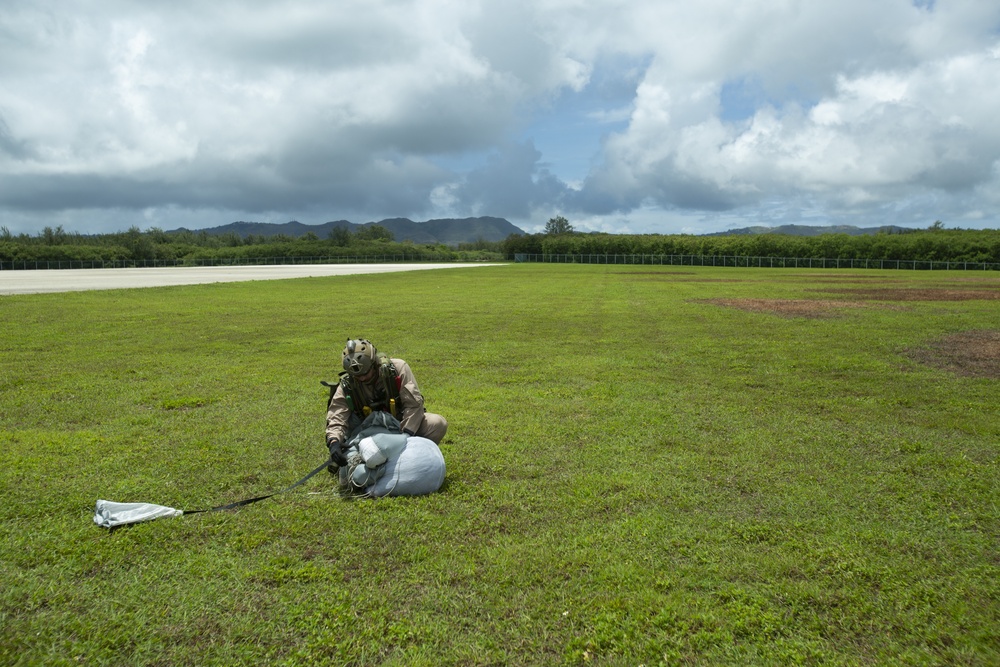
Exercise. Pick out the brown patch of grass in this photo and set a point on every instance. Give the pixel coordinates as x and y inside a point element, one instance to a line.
<point>968,353</point>
<point>789,307</point>
<point>666,273</point>
<point>916,294</point>
<point>849,278</point>
<point>842,281</point>
<point>680,276</point>
<point>987,280</point>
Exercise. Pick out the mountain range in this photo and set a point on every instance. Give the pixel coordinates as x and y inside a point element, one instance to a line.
<point>453,231</point>
<point>449,231</point>
<point>808,230</point>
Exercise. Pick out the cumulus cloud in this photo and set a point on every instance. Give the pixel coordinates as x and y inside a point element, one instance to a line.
<point>887,121</point>
<point>513,183</point>
<point>264,110</point>
<point>695,114</point>
<point>872,137</point>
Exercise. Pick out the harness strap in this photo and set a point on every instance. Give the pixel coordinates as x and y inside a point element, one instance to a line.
<point>248,501</point>
<point>391,383</point>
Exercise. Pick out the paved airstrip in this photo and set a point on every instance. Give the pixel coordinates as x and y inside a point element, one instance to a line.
<point>78,280</point>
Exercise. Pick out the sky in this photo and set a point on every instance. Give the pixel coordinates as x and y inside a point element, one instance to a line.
<point>623,116</point>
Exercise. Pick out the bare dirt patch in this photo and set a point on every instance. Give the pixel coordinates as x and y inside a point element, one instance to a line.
<point>968,353</point>
<point>849,278</point>
<point>790,307</point>
<point>916,294</point>
<point>716,280</point>
<point>680,277</point>
<point>865,284</point>
<point>664,274</point>
<point>987,281</point>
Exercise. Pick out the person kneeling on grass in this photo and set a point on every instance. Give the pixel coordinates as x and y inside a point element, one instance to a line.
<point>372,382</point>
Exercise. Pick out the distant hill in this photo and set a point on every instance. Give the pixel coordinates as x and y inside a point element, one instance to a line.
<point>449,231</point>
<point>807,230</point>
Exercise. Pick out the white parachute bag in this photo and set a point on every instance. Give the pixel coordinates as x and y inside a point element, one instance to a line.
<point>390,464</point>
<point>416,471</point>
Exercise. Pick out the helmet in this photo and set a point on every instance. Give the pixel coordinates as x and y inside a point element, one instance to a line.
<point>359,356</point>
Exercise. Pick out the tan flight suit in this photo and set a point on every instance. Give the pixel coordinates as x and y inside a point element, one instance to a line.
<point>412,417</point>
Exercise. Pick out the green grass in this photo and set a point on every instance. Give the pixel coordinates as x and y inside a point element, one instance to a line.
<point>635,476</point>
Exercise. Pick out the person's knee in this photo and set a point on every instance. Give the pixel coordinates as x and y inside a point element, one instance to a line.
<point>433,427</point>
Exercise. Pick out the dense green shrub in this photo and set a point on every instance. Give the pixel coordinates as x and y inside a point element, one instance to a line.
<point>924,245</point>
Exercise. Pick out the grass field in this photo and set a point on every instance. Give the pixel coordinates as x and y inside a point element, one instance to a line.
<point>646,466</point>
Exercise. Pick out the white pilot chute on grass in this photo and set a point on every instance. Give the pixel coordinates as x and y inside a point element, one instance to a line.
<point>109,514</point>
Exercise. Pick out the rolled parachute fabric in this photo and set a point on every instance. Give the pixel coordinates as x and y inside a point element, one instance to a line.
<point>388,445</point>
<point>384,461</point>
<point>417,470</point>
<point>370,452</point>
<point>413,466</point>
<point>109,514</point>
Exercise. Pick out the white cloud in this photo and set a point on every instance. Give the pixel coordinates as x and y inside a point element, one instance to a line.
<point>315,110</point>
<point>874,137</point>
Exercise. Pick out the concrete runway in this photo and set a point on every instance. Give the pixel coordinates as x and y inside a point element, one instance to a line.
<point>77,280</point>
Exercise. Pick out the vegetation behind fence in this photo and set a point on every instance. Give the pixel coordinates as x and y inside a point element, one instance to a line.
<point>929,245</point>
<point>769,262</point>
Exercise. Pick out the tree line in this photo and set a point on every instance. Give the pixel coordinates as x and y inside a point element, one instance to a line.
<point>56,244</point>
<point>932,244</point>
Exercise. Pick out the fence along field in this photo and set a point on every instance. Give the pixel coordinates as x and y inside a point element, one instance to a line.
<point>737,261</point>
<point>747,261</point>
<point>646,465</point>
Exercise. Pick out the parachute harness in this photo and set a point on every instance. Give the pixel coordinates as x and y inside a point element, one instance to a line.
<point>390,383</point>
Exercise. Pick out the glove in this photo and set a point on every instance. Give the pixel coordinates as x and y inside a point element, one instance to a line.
<point>409,432</point>
<point>336,455</point>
